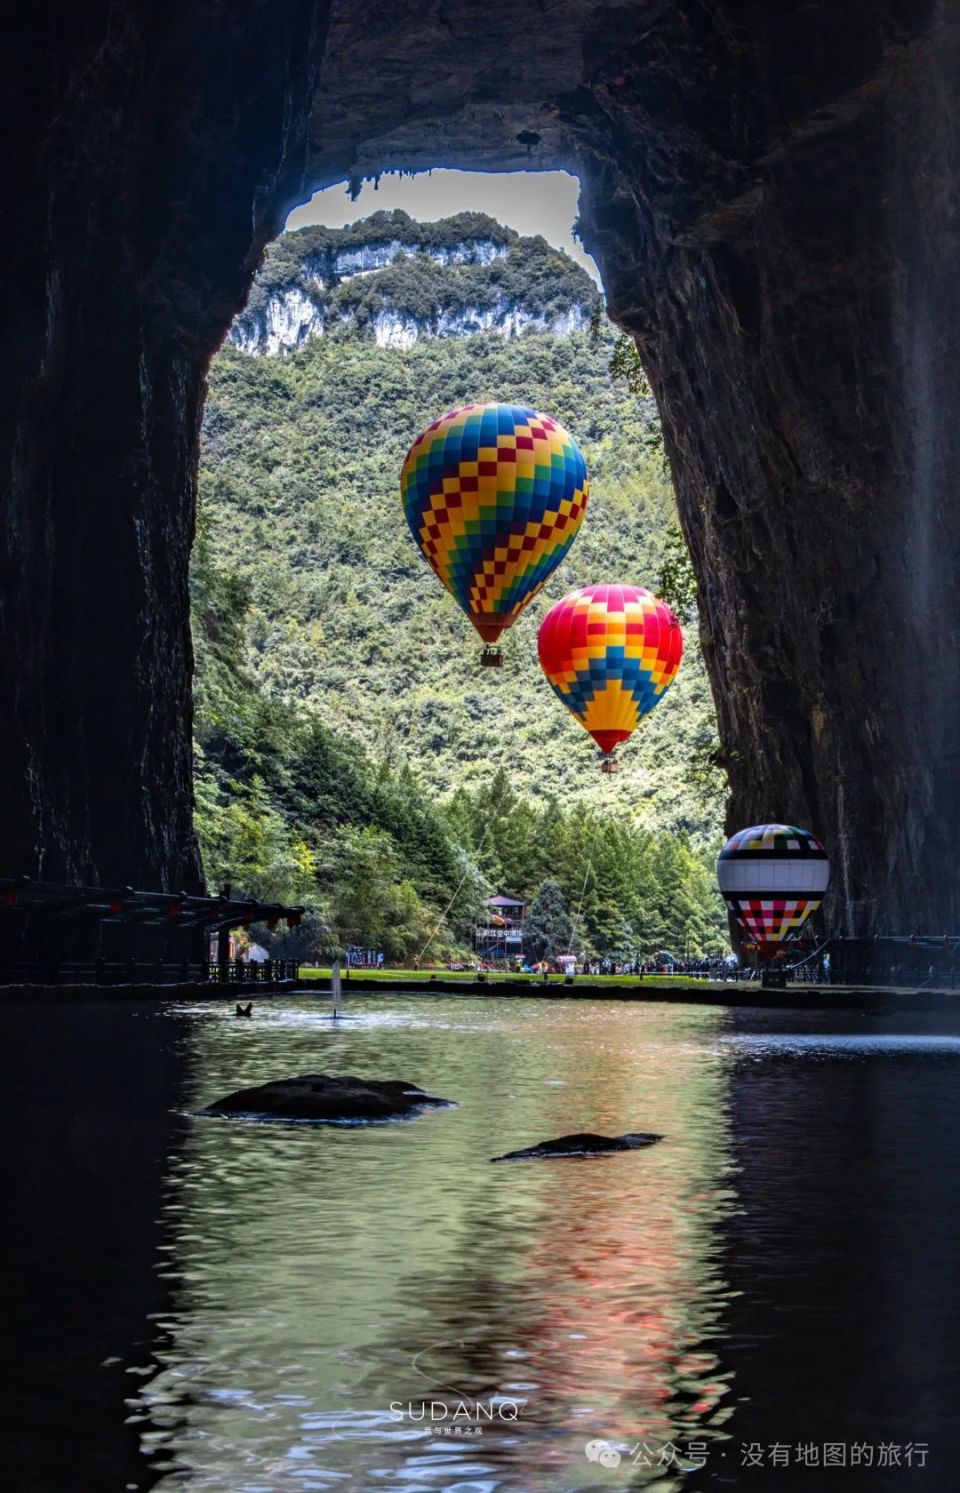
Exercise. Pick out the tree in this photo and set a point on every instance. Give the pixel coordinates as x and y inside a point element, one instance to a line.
<point>548,930</point>
<point>374,904</point>
<point>249,843</point>
<point>677,582</point>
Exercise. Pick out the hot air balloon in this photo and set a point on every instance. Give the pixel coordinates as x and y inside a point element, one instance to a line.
<point>610,653</point>
<point>772,876</point>
<point>494,495</point>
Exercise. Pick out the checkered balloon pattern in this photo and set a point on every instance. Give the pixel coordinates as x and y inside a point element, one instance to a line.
<point>771,920</point>
<point>773,876</point>
<point>610,653</point>
<point>788,843</point>
<point>494,495</point>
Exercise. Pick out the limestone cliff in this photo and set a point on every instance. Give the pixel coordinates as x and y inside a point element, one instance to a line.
<point>398,281</point>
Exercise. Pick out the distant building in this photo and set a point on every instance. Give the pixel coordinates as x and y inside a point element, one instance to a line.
<point>499,933</point>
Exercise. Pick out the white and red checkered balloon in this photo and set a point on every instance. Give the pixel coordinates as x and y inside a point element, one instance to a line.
<point>772,877</point>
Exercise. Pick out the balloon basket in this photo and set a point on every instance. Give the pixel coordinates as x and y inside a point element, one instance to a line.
<point>773,979</point>
<point>491,657</point>
<point>609,764</point>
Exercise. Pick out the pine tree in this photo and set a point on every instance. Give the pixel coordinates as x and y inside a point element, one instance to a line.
<point>548,930</point>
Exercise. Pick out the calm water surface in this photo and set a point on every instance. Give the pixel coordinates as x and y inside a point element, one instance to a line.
<point>778,1273</point>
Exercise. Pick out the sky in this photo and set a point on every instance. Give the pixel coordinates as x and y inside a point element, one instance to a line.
<point>529,201</point>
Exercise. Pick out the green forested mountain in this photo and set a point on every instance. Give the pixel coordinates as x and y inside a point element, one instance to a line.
<point>391,278</point>
<point>351,750</point>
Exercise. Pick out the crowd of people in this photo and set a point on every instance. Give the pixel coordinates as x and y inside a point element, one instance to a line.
<point>700,967</point>
<point>697,967</point>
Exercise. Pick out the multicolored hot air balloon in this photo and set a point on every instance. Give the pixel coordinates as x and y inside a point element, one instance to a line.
<point>610,653</point>
<point>772,877</point>
<point>494,495</point>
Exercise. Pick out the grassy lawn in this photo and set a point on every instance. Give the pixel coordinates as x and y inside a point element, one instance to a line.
<point>399,976</point>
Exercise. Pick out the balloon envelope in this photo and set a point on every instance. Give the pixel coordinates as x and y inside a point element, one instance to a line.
<point>610,653</point>
<point>772,877</point>
<point>494,495</point>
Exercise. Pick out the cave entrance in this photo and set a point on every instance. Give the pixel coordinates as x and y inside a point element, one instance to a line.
<point>373,314</point>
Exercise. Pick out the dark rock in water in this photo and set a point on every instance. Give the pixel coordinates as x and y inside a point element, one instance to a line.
<point>581,1144</point>
<point>319,1096</point>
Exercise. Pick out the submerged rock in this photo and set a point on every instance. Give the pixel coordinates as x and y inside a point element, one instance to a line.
<point>581,1144</point>
<point>320,1096</point>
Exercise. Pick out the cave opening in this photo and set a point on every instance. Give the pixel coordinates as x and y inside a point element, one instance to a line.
<point>377,310</point>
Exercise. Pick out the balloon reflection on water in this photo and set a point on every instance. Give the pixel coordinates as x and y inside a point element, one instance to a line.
<point>322,1276</point>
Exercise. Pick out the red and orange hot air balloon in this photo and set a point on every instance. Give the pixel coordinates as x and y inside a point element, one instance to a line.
<point>494,495</point>
<point>610,653</point>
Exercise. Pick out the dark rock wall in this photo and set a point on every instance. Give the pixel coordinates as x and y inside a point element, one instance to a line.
<point>91,1098</point>
<point>778,226</point>
<point>771,193</point>
<point>153,146</point>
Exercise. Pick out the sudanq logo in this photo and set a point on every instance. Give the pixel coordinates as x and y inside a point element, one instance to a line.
<point>602,1452</point>
<point>458,1407</point>
<point>463,1412</point>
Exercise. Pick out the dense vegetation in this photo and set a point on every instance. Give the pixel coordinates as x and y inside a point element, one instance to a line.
<point>532,276</point>
<point>351,754</point>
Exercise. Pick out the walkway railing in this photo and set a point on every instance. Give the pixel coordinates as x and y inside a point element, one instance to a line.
<point>148,972</point>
